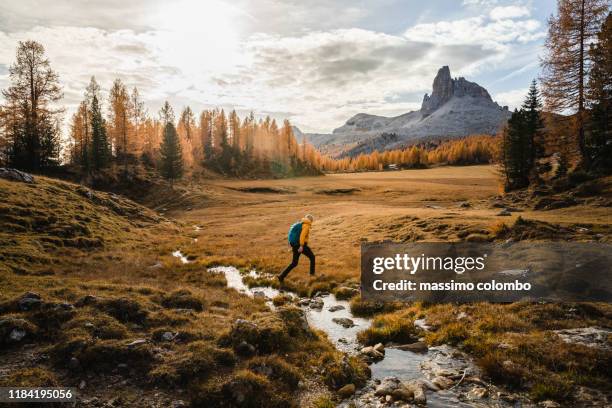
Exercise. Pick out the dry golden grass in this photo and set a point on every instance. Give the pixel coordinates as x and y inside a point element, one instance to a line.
<point>129,286</point>
<point>245,228</point>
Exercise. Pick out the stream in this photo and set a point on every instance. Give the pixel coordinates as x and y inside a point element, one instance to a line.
<point>450,377</point>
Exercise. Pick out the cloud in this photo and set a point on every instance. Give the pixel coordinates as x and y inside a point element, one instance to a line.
<point>347,71</point>
<point>285,57</point>
<point>479,2</point>
<point>513,99</point>
<point>509,12</point>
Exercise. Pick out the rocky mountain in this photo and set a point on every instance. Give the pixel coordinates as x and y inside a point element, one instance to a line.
<point>455,108</point>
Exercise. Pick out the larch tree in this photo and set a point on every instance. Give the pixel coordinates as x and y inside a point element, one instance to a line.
<point>186,132</point>
<point>567,63</point>
<point>138,114</point>
<point>599,98</point>
<point>32,131</point>
<point>119,120</point>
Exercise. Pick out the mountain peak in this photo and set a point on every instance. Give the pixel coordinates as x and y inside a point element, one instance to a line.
<point>445,87</point>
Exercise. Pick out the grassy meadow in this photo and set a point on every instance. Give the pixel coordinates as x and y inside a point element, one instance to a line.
<point>102,271</point>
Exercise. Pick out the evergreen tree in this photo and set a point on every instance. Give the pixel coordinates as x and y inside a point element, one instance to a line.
<point>599,138</point>
<point>534,128</point>
<point>516,151</point>
<point>171,156</point>
<point>28,122</point>
<point>100,149</point>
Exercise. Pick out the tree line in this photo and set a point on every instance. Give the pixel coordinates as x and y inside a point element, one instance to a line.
<point>576,94</point>
<point>118,130</point>
<point>474,149</point>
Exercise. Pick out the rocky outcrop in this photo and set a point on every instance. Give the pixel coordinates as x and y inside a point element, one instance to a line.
<point>16,175</point>
<point>445,87</point>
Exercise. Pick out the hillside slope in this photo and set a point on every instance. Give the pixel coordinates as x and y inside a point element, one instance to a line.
<point>93,297</point>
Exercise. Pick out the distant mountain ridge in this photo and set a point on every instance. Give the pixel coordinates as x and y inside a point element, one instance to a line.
<point>455,108</point>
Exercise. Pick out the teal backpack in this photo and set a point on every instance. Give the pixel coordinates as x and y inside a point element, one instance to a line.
<point>294,233</point>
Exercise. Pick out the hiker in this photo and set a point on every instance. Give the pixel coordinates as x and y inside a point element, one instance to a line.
<point>298,239</point>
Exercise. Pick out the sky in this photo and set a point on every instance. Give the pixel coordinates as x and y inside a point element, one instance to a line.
<point>314,62</point>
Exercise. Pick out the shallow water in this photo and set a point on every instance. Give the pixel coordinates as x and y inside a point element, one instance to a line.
<point>178,254</point>
<point>405,365</point>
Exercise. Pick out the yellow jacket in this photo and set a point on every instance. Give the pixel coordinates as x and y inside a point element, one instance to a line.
<point>305,231</point>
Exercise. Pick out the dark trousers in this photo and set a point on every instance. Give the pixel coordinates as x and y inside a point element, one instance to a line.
<point>296,256</point>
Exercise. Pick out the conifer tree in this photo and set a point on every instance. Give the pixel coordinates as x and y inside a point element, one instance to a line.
<point>171,155</point>
<point>534,128</point>
<point>28,120</point>
<point>599,95</point>
<point>100,149</point>
<point>566,66</point>
<point>516,151</point>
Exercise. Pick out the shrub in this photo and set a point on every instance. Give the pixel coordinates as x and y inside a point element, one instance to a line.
<point>367,308</point>
<point>123,309</point>
<point>277,370</point>
<point>182,299</point>
<point>345,293</point>
<point>267,334</point>
<point>389,328</point>
<point>30,377</point>
<point>340,370</point>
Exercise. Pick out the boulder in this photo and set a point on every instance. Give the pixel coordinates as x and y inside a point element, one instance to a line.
<point>371,353</point>
<point>336,308</point>
<point>417,347</point>
<point>258,294</point>
<point>316,304</point>
<point>16,175</point>
<point>14,330</point>
<point>136,343</point>
<point>347,390</point>
<point>245,349</point>
<point>344,322</point>
<point>442,382</point>
<point>168,336</point>
<point>477,393</point>
<point>26,304</point>
<point>17,335</point>
<point>387,386</point>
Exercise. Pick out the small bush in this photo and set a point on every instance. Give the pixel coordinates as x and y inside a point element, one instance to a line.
<point>8,324</point>
<point>267,334</point>
<point>345,293</point>
<point>366,308</point>
<point>98,325</point>
<point>452,333</point>
<point>244,389</point>
<point>182,299</point>
<point>277,370</point>
<point>389,328</point>
<point>105,355</point>
<point>30,377</point>
<point>123,309</point>
<point>340,370</point>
